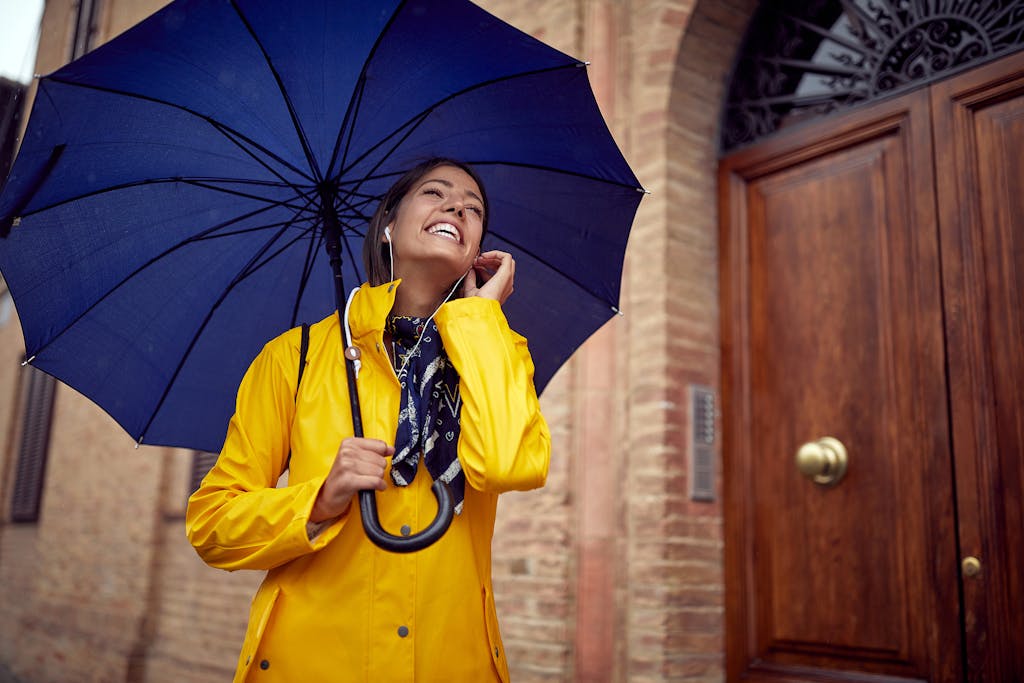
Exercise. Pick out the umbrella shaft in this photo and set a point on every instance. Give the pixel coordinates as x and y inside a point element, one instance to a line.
<point>332,242</point>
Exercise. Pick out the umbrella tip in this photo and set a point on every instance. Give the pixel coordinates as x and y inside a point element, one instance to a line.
<point>583,65</point>
<point>139,442</point>
<point>27,361</point>
<point>7,223</point>
<point>617,311</point>
<point>642,190</point>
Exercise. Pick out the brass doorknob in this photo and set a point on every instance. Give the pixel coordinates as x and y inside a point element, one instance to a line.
<point>823,461</point>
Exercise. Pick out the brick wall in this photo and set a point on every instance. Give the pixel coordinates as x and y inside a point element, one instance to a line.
<point>694,635</point>
<point>609,573</point>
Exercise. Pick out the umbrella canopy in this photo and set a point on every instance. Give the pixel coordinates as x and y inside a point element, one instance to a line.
<point>164,217</point>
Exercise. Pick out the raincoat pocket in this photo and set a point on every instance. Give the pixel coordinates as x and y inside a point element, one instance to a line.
<point>259,615</point>
<point>494,636</point>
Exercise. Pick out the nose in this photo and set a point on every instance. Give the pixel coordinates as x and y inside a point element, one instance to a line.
<point>457,207</point>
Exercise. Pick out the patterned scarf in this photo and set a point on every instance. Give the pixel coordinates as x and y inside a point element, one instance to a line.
<point>428,415</point>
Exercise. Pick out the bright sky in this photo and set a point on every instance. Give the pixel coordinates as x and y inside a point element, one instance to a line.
<point>19,35</point>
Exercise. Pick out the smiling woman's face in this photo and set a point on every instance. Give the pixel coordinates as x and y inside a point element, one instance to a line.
<point>439,226</point>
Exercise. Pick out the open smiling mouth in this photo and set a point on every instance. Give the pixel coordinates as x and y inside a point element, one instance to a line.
<point>446,230</point>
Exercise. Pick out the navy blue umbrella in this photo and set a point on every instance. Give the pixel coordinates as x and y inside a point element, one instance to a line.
<point>169,206</point>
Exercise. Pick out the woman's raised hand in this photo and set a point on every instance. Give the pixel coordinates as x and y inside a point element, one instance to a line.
<point>359,465</point>
<point>491,276</point>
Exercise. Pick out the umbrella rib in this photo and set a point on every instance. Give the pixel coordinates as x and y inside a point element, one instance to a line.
<point>245,231</point>
<point>362,84</point>
<point>352,259</point>
<point>7,221</point>
<point>237,193</point>
<point>552,169</point>
<point>239,277</point>
<point>356,100</point>
<point>353,217</point>
<point>418,118</point>
<point>307,270</point>
<point>363,199</point>
<point>412,129</point>
<point>195,238</point>
<point>246,272</point>
<point>356,206</point>
<point>366,197</point>
<point>368,176</point>
<point>243,181</point>
<point>545,262</point>
<point>220,127</point>
<point>139,183</point>
<point>313,166</point>
<point>229,134</point>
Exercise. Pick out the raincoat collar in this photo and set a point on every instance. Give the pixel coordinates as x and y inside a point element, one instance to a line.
<point>370,308</point>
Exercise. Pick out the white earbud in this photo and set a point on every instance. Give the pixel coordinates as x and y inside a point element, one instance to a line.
<point>391,250</point>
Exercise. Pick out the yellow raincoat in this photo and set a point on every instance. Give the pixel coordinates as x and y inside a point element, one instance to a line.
<point>337,608</point>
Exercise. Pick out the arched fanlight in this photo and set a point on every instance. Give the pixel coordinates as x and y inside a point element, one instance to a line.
<point>803,59</point>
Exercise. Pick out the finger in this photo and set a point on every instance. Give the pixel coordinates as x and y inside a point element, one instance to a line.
<point>506,266</point>
<point>484,274</point>
<point>365,465</point>
<point>354,443</point>
<point>487,265</point>
<point>354,468</point>
<point>352,485</point>
<point>377,446</point>
<point>368,483</point>
<point>503,275</point>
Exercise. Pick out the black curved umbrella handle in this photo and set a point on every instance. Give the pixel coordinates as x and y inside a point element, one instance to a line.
<point>367,499</point>
<point>408,544</point>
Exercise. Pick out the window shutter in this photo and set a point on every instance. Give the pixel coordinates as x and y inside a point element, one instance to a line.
<point>35,440</point>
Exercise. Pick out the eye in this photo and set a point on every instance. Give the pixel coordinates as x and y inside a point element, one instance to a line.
<point>434,191</point>
<point>477,210</point>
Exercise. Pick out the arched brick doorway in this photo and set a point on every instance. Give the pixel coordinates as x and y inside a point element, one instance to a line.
<point>692,640</point>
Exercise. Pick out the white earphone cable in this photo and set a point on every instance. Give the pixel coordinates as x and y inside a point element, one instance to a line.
<point>425,324</point>
<point>357,364</point>
<point>391,251</point>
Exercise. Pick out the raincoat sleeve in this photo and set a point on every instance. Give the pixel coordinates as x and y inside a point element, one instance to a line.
<point>238,519</point>
<point>504,443</point>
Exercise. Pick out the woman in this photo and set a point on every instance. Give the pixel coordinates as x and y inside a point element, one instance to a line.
<point>333,606</point>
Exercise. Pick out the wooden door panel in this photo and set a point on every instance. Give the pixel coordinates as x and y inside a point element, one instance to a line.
<point>980,167</point>
<point>819,284</point>
<point>833,327</point>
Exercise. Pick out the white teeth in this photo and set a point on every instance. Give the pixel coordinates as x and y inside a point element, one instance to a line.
<point>445,230</point>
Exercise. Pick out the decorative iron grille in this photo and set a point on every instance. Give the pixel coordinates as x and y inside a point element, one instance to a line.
<point>807,58</point>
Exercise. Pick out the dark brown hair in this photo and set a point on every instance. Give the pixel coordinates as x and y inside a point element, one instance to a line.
<point>375,249</point>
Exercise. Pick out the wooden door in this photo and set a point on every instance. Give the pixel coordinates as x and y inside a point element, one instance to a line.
<point>979,145</point>
<point>833,326</point>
